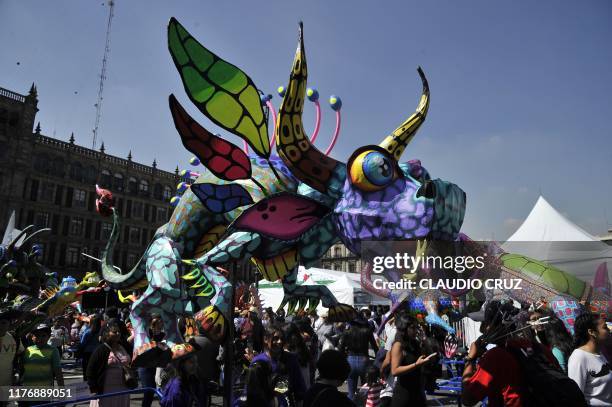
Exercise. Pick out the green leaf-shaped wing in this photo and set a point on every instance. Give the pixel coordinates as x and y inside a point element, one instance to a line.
<point>223,92</point>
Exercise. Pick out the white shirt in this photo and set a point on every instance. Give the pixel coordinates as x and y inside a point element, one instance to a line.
<point>390,332</point>
<point>8,349</point>
<point>587,369</point>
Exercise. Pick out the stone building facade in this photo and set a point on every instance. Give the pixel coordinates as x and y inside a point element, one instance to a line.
<point>339,258</point>
<point>51,183</point>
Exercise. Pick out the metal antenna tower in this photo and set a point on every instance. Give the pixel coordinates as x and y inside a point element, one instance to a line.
<point>111,4</point>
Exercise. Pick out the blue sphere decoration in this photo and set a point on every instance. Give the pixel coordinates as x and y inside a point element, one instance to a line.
<point>281,91</point>
<point>181,187</point>
<point>335,102</point>
<point>265,98</point>
<point>175,200</point>
<point>185,173</point>
<point>312,94</point>
<point>194,161</point>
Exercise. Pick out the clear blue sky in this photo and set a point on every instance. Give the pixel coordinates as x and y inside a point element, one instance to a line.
<point>521,91</point>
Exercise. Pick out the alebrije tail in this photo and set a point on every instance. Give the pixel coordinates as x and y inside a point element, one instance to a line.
<point>115,279</point>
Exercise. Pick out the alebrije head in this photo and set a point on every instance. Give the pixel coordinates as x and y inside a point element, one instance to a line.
<point>105,201</point>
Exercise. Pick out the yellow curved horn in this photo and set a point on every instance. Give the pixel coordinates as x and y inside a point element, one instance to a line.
<point>396,142</point>
<point>304,160</point>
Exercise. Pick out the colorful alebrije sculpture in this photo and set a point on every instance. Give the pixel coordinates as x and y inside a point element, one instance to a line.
<point>27,289</point>
<point>20,271</point>
<point>279,211</point>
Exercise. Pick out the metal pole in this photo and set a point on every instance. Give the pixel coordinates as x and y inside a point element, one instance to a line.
<point>228,347</point>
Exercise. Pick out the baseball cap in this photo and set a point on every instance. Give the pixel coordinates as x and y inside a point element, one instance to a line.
<point>42,328</point>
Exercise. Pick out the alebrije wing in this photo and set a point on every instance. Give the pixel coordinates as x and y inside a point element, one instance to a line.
<point>222,198</point>
<point>284,216</point>
<point>223,92</point>
<point>221,157</point>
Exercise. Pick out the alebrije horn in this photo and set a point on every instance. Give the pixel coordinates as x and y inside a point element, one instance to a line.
<point>306,162</point>
<point>396,142</point>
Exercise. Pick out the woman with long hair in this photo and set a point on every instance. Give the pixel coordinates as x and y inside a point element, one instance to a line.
<point>105,371</point>
<point>295,343</point>
<point>587,366</point>
<point>407,360</point>
<point>559,340</point>
<point>288,380</point>
<point>355,343</point>
<point>259,387</point>
<point>183,387</point>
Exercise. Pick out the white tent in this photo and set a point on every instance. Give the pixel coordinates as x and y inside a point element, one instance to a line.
<point>346,287</point>
<point>549,236</point>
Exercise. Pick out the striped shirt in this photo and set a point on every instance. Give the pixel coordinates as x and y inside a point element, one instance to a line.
<point>373,395</point>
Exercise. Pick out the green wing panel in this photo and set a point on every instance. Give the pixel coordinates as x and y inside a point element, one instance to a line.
<point>550,276</point>
<point>220,90</point>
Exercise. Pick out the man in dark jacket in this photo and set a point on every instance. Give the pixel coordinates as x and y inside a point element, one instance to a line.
<point>333,371</point>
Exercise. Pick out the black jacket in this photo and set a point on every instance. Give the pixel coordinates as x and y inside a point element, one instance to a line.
<point>96,368</point>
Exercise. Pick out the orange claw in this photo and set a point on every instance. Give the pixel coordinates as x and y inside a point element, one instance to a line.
<point>212,322</point>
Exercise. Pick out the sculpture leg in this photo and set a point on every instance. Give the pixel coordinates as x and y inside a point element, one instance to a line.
<point>215,310</point>
<point>300,295</point>
<point>212,317</point>
<point>163,296</point>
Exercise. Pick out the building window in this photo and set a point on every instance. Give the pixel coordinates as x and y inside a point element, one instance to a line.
<point>133,186</point>
<point>80,198</point>
<point>143,188</point>
<point>134,235</point>
<point>42,220</point>
<point>107,228</point>
<point>167,193</point>
<point>118,182</point>
<point>337,252</point>
<point>105,179</point>
<point>76,226</point>
<point>76,172</point>
<point>47,192</point>
<point>352,267</point>
<point>137,209</point>
<point>162,214</point>
<point>337,266</point>
<point>158,191</point>
<point>91,174</point>
<point>72,256</point>
<point>131,260</point>
<point>57,167</point>
<point>41,163</point>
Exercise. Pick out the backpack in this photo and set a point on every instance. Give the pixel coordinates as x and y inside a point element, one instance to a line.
<point>543,383</point>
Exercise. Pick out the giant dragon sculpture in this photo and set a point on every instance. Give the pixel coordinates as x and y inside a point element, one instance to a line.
<point>278,210</point>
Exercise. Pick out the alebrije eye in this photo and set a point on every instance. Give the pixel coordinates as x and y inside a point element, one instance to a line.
<point>372,170</point>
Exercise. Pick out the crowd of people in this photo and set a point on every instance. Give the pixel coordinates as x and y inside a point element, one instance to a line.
<point>522,358</point>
